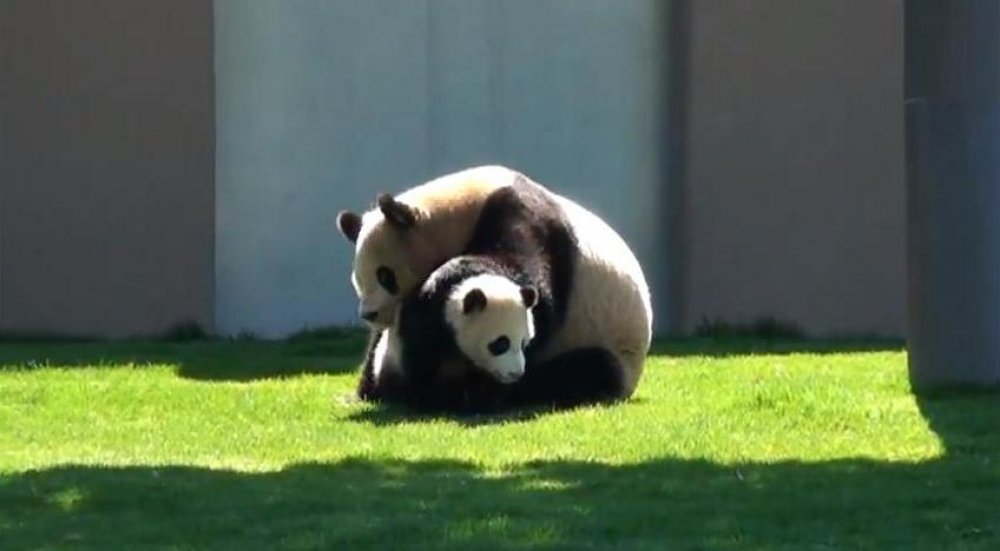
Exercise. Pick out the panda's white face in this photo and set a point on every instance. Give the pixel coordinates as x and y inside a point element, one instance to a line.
<point>491,318</point>
<point>380,275</point>
<point>386,258</point>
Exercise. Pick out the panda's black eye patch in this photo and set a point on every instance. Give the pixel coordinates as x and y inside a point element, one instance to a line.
<point>387,279</point>
<point>499,346</point>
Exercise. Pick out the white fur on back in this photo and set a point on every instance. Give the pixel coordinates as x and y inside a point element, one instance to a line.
<point>441,192</point>
<point>445,196</point>
<point>610,304</point>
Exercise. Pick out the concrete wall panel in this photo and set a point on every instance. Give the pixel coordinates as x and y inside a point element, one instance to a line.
<point>107,165</point>
<point>323,104</point>
<point>794,192</point>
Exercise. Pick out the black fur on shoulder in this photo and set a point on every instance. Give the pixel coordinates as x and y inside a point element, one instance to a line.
<point>526,235</point>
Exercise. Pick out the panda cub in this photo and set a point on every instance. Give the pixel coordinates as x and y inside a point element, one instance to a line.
<point>459,342</point>
<point>467,342</point>
<point>476,334</point>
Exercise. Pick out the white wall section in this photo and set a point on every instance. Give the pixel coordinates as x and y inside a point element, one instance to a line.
<point>322,104</point>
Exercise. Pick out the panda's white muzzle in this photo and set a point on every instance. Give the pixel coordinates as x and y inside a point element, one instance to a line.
<point>509,368</point>
<point>373,311</point>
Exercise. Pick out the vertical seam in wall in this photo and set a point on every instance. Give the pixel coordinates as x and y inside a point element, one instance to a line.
<point>213,174</point>
<point>430,76</point>
<point>678,74</point>
<point>4,83</point>
<point>495,25</point>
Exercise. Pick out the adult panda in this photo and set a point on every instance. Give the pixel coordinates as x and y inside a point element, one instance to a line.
<point>402,239</point>
<point>591,311</point>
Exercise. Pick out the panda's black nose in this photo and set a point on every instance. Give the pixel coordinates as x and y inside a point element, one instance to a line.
<point>369,316</point>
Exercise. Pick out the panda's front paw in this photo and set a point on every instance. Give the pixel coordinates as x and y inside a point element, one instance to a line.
<point>367,390</point>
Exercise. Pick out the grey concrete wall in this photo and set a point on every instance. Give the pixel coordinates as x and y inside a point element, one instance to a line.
<point>953,192</point>
<point>788,201</point>
<point>106,165</point>
<point>793,189</point>
<point>323,104</point>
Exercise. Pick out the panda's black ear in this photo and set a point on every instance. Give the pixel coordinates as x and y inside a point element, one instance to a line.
<point>349,224</point>
<point>474,301</point>
<point>529,295</point>
<point>398,214</point>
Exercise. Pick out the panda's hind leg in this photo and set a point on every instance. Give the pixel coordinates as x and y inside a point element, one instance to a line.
<point>577,377</point>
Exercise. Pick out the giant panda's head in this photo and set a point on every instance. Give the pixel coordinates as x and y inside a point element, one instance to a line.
<point>389,256</point>
<point>491,318</point>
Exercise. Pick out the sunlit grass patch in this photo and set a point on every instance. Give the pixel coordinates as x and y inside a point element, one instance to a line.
<point>725,445</point>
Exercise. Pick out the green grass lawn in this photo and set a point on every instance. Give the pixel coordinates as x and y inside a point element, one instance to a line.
<point>727,445</point>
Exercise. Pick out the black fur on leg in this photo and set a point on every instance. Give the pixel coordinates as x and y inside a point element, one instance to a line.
<point>367,388</point>
<point>578,377</point>
<point>454,386</point>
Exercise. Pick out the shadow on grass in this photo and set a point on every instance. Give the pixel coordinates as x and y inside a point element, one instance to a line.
<point>967,422</point>
<point>948,502</point>
<point>754,346</point>
<point>338,353</point>
<point>203,360</point>
<point>558,504</point>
